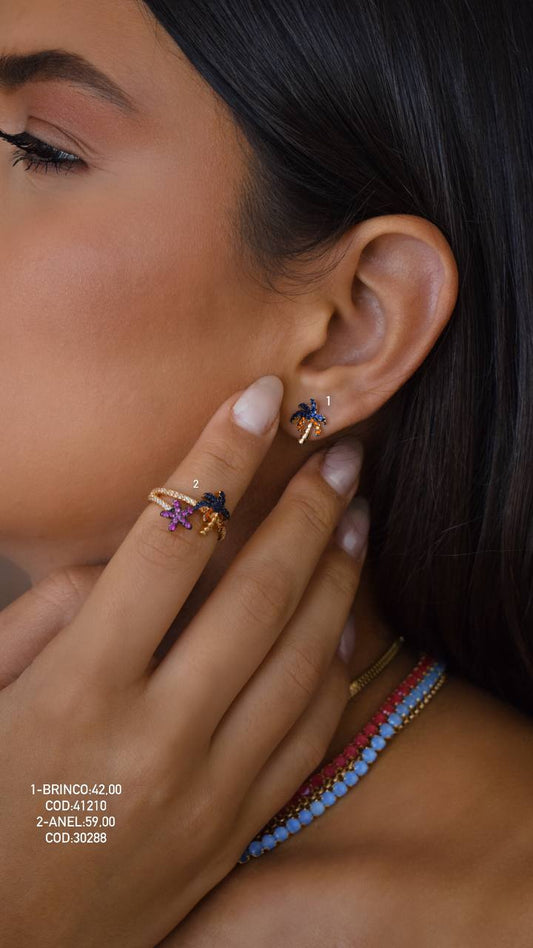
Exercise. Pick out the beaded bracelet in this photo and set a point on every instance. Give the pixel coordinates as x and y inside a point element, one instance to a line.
<point>325,786</point>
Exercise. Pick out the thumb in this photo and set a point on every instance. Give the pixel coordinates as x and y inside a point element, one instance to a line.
<point>32,620</point>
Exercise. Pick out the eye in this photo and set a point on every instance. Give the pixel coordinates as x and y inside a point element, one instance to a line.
<point>39,155</point>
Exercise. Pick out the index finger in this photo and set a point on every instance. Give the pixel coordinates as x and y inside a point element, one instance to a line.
<point>147,580</point>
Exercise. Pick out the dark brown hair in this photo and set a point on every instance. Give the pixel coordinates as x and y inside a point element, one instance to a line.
<point>357,109</point>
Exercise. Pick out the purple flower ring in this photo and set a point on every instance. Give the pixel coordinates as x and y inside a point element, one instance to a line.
<point>210,506</point>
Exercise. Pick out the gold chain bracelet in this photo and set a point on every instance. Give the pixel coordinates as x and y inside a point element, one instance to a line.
<point>372,671</point>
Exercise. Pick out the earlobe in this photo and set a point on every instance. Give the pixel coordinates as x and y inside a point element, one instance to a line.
<point>385,303</point>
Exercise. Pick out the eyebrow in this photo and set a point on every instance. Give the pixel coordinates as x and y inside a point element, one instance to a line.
<point>17,70</point>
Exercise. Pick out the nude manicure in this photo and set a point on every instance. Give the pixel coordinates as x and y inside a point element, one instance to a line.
<point>342,463</point>
<point>259,404</point>
<point>353,527</point>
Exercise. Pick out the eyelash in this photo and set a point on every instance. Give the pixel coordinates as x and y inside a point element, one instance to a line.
<point>40,155</point>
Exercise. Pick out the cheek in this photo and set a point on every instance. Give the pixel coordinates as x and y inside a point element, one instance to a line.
<point>116,335</point>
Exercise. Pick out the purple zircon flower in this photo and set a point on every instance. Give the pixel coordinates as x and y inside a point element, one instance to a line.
<point>178,516</point>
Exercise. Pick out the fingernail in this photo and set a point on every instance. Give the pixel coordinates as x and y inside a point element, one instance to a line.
<point>342,463</point>
<point>353,527</point>
<point>259,404</point>
<point>346,645</point>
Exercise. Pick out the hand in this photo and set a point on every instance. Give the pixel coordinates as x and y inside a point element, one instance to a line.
<point>201,765</point>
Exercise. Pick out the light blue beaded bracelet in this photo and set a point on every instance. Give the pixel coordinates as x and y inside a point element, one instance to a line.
<point>405,710</point>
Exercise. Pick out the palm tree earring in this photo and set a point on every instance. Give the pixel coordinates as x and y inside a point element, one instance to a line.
<point>308,417</point>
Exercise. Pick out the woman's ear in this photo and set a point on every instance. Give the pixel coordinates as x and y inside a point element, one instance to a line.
<point>386,297</point>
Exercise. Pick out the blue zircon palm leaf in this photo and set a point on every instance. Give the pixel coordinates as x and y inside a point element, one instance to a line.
<point>215,503</point>
<point>308,412</point>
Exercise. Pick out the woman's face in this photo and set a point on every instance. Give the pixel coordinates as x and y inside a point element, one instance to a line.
<point>127,316</point>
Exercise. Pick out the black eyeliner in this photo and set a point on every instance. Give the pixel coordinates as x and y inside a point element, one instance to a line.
<point>25,140</point>
<point>40,155</point>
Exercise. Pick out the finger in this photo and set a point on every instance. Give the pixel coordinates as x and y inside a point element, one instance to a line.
<point>145,583</point>
<point>29,623</point>
<point>229,637</point>
<point>292,672</point>
<point>301,753</point>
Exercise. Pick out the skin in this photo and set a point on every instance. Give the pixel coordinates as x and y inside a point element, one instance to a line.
<point>125,298</point>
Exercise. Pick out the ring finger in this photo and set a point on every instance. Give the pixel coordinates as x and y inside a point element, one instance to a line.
<point>285,684</point>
